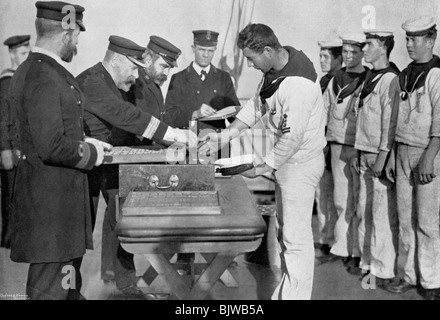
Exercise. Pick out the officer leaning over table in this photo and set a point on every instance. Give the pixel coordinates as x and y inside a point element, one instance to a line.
<point>106,109</point>
<point>159,57</point>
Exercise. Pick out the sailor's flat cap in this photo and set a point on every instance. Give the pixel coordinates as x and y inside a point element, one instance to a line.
<point>378,33</point>
<point>357,39</point>
<point>330,43</point>
<point>17,41</point>
<point>420,26</point>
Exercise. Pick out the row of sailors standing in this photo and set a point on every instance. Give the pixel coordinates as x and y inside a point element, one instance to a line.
<point>383,133</point>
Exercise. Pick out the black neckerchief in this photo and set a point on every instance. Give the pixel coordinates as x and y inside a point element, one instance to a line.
<point>297,66</point>
<point>325,81</point>
<point>350,80</point>
<point>414,76</point>
<point>372,79</point>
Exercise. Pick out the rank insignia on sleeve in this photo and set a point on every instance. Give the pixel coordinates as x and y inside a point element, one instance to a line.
<point>284,121</point>
<point>284,128</point>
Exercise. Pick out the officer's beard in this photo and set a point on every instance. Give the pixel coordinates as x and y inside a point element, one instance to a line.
<point>71,51</point>
<point>160,79</point>
<point>154,76</point>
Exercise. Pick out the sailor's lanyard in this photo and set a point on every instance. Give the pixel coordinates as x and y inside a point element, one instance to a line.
<point>360,100</point>
<point>404,95</point>
<point>338,101</point>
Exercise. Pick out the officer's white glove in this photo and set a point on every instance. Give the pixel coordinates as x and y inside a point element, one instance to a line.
<point>101,147</point>
<point>180,136</point>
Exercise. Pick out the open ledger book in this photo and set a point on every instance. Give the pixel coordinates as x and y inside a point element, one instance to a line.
<point>222,114</point>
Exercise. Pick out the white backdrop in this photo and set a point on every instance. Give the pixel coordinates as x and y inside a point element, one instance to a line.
<point>298,23</point>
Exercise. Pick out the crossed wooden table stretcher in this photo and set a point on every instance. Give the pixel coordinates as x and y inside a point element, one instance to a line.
<point>216,238</point>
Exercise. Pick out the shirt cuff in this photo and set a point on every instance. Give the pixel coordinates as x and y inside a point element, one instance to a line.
<point>88,154</point>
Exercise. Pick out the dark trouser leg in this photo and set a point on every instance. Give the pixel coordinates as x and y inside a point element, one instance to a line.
<point>94,180</point>
<point>4,208</point>
<point>123,263</point>
<point>75,294</point>
<point>54,281</point>
<point>107,269</point>
<point>7,181</point>
<point>96,183</point>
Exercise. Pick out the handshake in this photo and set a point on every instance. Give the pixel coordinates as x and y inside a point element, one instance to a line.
<point>180,136</point>
<point>207,145</point>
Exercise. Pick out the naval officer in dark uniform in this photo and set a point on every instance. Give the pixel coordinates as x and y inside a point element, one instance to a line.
<point>106,110</point>
<point>19,48</point>
<point>159,58</point>
<point>201,89</point>
<point>50,220</point>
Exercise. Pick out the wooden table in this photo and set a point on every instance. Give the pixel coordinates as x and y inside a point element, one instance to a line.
<point>219,238</point>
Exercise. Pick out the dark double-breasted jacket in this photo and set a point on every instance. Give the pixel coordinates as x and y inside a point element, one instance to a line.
<point>8,125</point>
<point>106,109</point>
<point>111,118</point>
<point>51,219</point>
<point>146,95</point>
<point>187,92</point>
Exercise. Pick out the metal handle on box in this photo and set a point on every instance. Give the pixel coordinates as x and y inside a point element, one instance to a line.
<point>173,182</point>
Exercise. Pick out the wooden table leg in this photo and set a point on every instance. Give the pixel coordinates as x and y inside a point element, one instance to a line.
<point>216,268</point>
<point>227,278</point>
<point>164,268</point>
<point>151,274</point>
<point>207,280</point>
